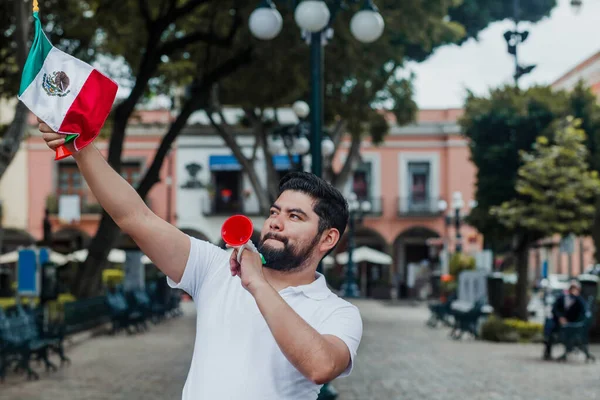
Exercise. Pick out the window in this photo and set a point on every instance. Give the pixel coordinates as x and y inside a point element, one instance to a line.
<point>131,172</point>
<point>361,181</point>
<point>228,185</point>
<point>70,180</point>
<point>418,177</point>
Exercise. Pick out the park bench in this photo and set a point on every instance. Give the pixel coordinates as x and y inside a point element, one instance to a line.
<point>20,339</point>
<point>575,335</point>
<point>466,317</point>
<point>122,314</point>
<point>440,312</point>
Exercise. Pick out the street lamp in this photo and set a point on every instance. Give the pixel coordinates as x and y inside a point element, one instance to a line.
<point>292,139</point>
<point>315,18</point>
<point>454,216</point>
<point>513,40</point>
<point>357,211</point>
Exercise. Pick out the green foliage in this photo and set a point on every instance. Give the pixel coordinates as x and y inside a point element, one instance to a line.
<point>496,329</point>
<point>461,262</point>
<point>502,125</point>
<point>556,190</point>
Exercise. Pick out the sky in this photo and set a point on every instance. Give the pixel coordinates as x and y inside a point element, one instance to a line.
<point>556,44</point>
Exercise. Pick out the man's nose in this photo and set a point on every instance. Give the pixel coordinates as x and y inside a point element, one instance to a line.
<point>275,223</point>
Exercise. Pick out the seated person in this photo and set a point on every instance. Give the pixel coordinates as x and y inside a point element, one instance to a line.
<point>569,307</point>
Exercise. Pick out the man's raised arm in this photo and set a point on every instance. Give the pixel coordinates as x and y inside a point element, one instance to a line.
<point>164,244</point>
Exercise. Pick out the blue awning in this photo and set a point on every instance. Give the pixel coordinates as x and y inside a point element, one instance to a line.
<point>230,163</point>
<point>282,162</point>
<point>224,163</point>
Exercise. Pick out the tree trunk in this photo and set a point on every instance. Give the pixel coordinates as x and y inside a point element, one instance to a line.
<point>339,180</point>
<point>522,260</point>
<point>596,232</point>
<point>13,137</point>
<point>247,167</point>
<point>261,137</point>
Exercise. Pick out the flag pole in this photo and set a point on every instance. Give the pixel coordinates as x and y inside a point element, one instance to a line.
<point>61,151</point>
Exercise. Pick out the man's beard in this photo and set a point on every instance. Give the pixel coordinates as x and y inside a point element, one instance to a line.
<point>287,259</point>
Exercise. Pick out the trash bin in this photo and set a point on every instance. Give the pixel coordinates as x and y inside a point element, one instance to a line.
<point>495,290</point>
<point>589,286</point>
<point>436,284</point>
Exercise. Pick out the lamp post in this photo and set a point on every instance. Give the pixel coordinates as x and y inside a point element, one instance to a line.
<point>1,228</point>
<point>315,18</point>
<point>293,139</point>
<point>513,40</point>
<point>455,217</point>
<point>357,211</point>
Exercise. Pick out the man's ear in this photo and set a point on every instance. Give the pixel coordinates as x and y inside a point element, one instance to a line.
<point>329,239</point>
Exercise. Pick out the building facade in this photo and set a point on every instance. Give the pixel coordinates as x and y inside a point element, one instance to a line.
<point>59,188</point>
<point>404,179</point>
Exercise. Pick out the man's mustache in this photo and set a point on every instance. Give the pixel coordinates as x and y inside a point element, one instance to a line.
<point>275,236</point>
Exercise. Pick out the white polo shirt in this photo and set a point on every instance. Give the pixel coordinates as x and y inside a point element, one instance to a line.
<point>235,355</point>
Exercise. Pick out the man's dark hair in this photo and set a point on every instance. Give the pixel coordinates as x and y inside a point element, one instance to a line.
<point>330,205</point>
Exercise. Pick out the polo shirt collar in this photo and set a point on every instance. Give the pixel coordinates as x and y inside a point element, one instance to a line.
<point>316,290</point>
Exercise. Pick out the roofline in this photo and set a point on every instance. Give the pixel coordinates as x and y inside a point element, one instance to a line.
<point>573,70</point>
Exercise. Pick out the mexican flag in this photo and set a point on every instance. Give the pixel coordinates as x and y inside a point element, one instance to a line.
<point>69,95</point>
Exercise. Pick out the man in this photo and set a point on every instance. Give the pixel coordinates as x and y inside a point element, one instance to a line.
<point>570,307</point>
<point>272,332</point>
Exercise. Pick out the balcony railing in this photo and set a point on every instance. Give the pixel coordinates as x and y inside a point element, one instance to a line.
<point>414,207</point>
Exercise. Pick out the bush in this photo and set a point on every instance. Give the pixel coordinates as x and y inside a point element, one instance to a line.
<point>112,277</point>
<point>496,329</point>
<point>461,262</point>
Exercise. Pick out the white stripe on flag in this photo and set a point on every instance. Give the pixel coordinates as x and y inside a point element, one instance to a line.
<point>52,108</point>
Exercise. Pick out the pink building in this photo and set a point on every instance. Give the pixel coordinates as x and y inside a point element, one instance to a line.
<point>48,180</point>
<point>407,178</point>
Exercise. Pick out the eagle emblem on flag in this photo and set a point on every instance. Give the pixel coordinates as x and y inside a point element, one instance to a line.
<point>56,84</point>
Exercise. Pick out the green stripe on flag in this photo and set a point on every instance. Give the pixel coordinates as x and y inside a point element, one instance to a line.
<point>37,54</point>
<point>70,138</point>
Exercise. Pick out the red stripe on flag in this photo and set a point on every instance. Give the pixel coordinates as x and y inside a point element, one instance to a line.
<point>90,109</point>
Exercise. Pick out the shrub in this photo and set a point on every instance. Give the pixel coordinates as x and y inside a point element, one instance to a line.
<point>496,329</point>
<point>461,262</point>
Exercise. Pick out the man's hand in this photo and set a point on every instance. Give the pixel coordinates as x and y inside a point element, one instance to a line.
<point>250,270</point>
<point>53,139</point>
<point>562,320</point>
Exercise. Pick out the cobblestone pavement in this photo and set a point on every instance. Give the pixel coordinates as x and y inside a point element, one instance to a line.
<point>399,358</point>
<point>152,365</point>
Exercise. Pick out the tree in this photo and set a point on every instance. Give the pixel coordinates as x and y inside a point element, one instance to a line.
<point>200,42</point>
<point>585,108</point>
<point>555,195</point>
<point>361,87</point>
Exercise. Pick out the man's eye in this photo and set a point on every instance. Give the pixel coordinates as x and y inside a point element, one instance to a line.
<point>273,212</point>
<point>294,216</point>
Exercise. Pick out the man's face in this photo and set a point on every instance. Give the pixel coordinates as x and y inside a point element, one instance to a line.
<point>574,291</point>
<point>289,236</point>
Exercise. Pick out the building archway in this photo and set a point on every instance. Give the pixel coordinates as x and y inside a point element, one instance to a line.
<point>409,247</point>
<point>373,279</point>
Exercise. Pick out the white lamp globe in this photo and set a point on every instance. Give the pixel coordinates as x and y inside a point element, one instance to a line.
<point>265,23</point>
<point>312,15</point>
<point>301,109</point>
<point>327,147</point>
<point>365,206</point>
<point>367,26</point>
<point>301,145</point>
<point>275,145</point>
